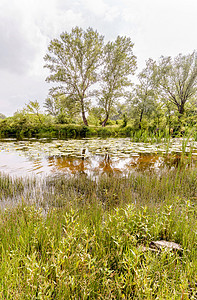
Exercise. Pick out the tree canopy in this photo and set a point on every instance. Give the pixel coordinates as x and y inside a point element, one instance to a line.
<point>92,77</point>
<point>119,64</point>
<point>74,61</point>
<point>176,79</point>
<point>2,116</point>
<point>144,96</point>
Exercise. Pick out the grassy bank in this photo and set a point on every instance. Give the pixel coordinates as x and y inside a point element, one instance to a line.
<point>76,238</point>
<point>64,131</point>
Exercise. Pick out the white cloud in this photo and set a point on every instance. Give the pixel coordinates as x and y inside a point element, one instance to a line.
<point>156,27</point>
<point>28,26</point>
<point>98,9</point>
<point>160,27</point>
<point>102,9</point>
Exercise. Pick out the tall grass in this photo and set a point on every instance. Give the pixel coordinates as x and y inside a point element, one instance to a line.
<point>77,238</point>
<point>109,190</point>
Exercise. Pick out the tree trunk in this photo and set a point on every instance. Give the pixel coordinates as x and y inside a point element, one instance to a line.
<point>141,115</point>
<point>105,121</point>
<point>181,110</point>
<point>169,124</point>
<point>39,118</point>
<point>84,119</point>
<point>83,114</point>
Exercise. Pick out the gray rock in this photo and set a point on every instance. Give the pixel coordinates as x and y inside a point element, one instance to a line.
<point>164,244</point>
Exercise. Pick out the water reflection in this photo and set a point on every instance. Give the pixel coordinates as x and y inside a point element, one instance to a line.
<point>86,158</point>
<point>146,161</point>
<point>107,165</point>
<point>96,165</point>
<point>70,164</point>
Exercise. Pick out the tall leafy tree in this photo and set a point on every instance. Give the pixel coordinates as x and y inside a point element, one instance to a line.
<point>177,80</point>
<point>73,61</point>
<point>119,64</point>
<point>144,96</point>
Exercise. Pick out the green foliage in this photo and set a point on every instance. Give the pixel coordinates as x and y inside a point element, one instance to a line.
<point>62,118</point>
<point>74,131</point>
<point>126,131</point>
<point>119,64</point>
<point>90,239</point>
<point>63,108</point>
<point>177,80</point>
<point>143,100</point>
<point>53,105</point>
<point>27,125</point>
<point>125,120</point>
<point>95,115</point>
<point>23,124</point>
<point>165,96</point>
<point>107,131</point>
<point>2,116</point>
<point>34,108</point>
<point>81,52</point>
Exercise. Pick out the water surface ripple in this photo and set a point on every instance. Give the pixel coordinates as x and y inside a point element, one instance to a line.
<point>92,156</point>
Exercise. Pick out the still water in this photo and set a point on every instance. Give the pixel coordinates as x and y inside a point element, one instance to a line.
<point>92,156</point>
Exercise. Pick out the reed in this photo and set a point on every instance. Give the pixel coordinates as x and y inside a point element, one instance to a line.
<point>81,238</point>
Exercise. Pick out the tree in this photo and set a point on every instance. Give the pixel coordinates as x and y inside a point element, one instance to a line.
<point>52,106</point>
<point>95,115</point>
<point>2,116</point>
<point>34,108</point>
<point>119,64</point>
<point>74,61</point>
<point>177,80</point>
<point>62,105</point>
<point>143,98</point>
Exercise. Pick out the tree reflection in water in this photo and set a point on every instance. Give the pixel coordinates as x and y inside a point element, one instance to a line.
<point>68,163</point>
<point>99,164</point>
<point>92,157</point>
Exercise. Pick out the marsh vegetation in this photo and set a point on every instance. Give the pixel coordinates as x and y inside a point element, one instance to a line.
<point>86,235</point>
<point>81,238</point>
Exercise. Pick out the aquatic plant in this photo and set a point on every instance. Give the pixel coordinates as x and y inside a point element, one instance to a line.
<point>95,245</point>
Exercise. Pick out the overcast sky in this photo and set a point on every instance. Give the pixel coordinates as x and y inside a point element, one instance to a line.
<point>156,27</point>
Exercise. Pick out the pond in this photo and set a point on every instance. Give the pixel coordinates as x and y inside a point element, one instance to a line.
<point>92,156</point>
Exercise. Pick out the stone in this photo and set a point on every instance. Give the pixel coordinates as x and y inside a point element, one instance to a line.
<point>165,244</point>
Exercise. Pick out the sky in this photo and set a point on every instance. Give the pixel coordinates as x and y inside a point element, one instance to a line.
<point>156,27</point>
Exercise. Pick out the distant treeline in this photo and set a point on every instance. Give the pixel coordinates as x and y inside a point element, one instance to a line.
<point>93,87</point>
<point>30,125</point>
